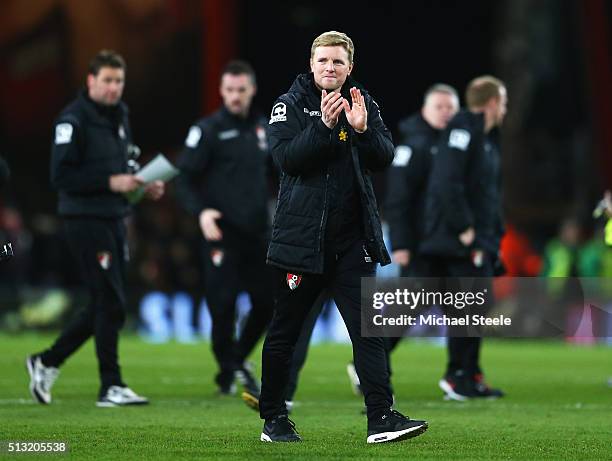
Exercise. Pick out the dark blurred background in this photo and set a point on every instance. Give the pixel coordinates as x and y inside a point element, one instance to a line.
<point>554,55</point>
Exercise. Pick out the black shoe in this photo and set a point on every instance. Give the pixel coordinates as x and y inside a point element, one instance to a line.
<point>455,387</point>
<point>225,383</point>
<point>479,388</point>
<point>251,388</point>
<point>279,429</point>
<point>392,426</point>
<point>244,375</point>
<point>251,399</point>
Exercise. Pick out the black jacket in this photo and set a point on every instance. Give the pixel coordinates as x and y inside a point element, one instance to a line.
<point>224,166</point>
<point>5,172</point>
<point>304,149</point>
<point>464,190</point>
<point>407,181</point>
<point>89,145</point>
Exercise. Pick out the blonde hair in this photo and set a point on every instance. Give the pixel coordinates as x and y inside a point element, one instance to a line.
<point>480,90</point>
<point>334,38</point>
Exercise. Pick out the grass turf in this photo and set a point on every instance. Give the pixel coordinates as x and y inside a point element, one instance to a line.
<point>558,406</point>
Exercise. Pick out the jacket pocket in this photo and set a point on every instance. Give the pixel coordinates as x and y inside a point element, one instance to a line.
<point>305,201</point>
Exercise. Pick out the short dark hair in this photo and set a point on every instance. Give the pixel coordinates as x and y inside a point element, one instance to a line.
<point>106,58</point>
<point>239,67</point>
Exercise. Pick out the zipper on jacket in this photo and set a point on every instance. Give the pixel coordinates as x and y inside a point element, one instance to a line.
<point>324,211</point>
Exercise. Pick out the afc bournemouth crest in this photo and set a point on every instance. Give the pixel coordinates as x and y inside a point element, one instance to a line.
<point>262,142</point>
<point>216,257</point>
<point>104,259</point>
<point>477,258</point>
<point>293,280</point>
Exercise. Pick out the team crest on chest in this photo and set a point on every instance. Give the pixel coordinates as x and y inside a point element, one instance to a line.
<point>262,142</point>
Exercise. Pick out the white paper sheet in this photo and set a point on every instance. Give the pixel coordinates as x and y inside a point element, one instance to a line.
<point>158,169</point>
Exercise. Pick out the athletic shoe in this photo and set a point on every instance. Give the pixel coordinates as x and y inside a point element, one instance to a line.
<point>354,379</point>
<point>392,426</point>
<point>279,429</point>
<point>118,396</point>
<point>225,383</point>
<point>227,390</point>
<point>479,388</point>
<point>41,379</point>
<point>455,387</point>
<point>251,399</point>
<point>244,375</point>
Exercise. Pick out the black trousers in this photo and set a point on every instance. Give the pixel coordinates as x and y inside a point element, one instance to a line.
<point>99,249</point>
<point>463,352</point>
<point>418,267</point>
<point>342,278</point>
<point>232,266</point>
<point>300,352</point>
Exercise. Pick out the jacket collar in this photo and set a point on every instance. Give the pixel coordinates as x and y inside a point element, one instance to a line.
<point>102,114</point>
<point>304,84</point>
<point>236,119</point>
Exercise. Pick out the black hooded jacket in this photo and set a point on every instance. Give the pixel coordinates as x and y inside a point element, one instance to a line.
<point>407,182</point>
<point>5,173</point>
<point>326,195</point>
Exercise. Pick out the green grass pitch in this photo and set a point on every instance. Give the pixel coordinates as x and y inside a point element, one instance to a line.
<point>558,406</point>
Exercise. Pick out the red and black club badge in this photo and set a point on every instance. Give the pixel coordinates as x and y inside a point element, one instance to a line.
<point>293,280</point>
<point>104,259</point>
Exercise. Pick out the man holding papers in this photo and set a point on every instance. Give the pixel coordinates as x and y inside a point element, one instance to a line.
<point>89,169</point>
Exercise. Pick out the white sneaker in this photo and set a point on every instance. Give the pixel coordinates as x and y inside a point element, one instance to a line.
<point>41,379</point>
<point>354,379</point>
<point>117,396</point>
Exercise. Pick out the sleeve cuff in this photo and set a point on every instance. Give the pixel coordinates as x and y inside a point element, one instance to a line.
<point>365,137</point>
<point>102,183</point>
<point>322,129</point>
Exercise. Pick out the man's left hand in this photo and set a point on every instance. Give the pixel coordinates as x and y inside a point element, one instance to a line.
<point>357,115</point>
<point>155,190</point>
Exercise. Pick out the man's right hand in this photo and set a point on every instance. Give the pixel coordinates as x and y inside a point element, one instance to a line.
<point>401,257</point>
<point>122,183</point>
<point>467,236</point>
<point>208,224</point>
<point>331,106</point>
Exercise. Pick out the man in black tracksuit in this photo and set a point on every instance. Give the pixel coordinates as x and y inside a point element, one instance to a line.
<point>5,173</point>
<point>224,182</point>
<point>408,177</point>
<point>463,225</point>
<point>89,168</point>
<point>326,232</point>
